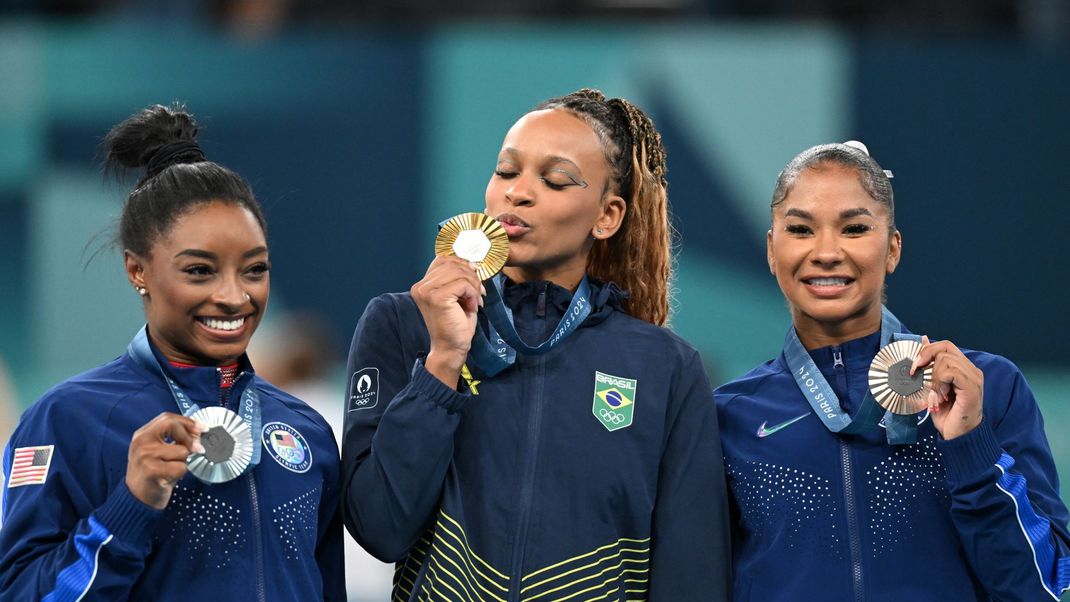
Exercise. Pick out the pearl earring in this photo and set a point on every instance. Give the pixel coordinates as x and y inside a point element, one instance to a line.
<point>141,290</point>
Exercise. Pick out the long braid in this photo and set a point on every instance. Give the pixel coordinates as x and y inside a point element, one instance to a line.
<point>639,257</point>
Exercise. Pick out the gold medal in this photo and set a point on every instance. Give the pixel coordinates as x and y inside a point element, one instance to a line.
<point>890,381</point>
<point>475,237</point>
<point>228,446</point>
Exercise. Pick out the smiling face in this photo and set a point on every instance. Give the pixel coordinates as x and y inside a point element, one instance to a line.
<point>550,190</point>
<point>830,248</point>
<point>207,284</point>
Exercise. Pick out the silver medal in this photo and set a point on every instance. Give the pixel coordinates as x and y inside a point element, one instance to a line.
<point>228,446</point>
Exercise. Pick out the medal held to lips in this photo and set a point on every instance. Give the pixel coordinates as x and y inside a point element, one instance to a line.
<point>890,381</point>
<point>475,237</point>
<point>228,446</point>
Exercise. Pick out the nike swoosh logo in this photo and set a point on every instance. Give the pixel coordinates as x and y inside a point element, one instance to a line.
<point>765,432</point>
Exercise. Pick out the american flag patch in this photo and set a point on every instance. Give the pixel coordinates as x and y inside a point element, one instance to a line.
<point>30,465</point>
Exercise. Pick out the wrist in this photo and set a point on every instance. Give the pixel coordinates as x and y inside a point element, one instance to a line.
<point>445,365</point>
<point>960,429</point>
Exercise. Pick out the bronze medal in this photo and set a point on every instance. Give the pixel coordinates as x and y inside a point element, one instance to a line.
<point>890,380</point>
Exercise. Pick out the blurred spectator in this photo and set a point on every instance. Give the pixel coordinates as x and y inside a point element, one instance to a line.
<point>295,351</point>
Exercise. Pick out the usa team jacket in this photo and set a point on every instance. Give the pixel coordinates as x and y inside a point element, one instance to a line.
<point>819,516</point>
<point>592,472</point>
<point>273,534</point>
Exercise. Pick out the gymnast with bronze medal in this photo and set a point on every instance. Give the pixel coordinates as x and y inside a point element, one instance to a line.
<point>866,462</point>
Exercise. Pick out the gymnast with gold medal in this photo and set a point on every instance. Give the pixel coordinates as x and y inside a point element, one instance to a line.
<point>868,463</point>
<point>535,433</point>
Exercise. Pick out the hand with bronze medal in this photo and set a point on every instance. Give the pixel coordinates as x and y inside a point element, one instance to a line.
<point>956,399</point>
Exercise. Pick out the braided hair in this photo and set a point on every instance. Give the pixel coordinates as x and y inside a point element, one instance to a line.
<point>163,141</point>
<point>639,257</point>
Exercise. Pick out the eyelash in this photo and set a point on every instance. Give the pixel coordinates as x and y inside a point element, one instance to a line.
<point>850,229</point>
<point>201,272</point>
<point>198,271</point>
<point>506,175</point>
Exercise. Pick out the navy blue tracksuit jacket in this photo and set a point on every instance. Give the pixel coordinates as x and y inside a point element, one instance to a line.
<point>533,484</point>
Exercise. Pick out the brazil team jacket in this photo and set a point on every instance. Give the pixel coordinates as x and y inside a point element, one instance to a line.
<point>592,472</point>
<point>820,516</point>
<point>73,531</point>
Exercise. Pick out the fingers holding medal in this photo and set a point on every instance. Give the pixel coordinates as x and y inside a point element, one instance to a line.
<point>156,459</point>
<point>469,248</point>
<point>956,398</point>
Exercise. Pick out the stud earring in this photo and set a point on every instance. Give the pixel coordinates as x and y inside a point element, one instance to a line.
<point>247,297</point>
<point>141,290</point>
<point>600,231</point>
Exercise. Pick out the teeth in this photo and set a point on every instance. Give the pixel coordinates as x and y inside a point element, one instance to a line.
<point>828,281</point>
<point>223,324</point>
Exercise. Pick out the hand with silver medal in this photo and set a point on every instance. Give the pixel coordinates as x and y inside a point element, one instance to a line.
<point>156,459</point>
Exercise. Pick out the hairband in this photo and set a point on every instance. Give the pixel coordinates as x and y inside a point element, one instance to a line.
<point>855,144</point>
<point>166,155</point>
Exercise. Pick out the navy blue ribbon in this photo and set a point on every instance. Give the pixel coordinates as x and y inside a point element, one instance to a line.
<point>248,407</point>
<point>496,349</point>
<point>900,430</point>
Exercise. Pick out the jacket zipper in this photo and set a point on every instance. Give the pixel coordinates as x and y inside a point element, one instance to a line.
<point>849,490</point>
<point>528,484</point>
<point>258,540</point>
<point>254,498</point>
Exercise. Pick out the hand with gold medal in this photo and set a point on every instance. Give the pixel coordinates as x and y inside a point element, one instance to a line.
<point>469,248</point>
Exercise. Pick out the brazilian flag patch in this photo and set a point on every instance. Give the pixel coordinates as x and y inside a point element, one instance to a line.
<point>614,400</point>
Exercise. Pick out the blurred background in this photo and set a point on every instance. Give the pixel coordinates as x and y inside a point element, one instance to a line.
<point>361,125</point>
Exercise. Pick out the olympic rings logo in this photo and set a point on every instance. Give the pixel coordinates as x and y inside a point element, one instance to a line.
<point>611,416</point>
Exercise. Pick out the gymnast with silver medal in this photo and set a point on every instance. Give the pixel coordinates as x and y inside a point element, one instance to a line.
<point>229,449</point>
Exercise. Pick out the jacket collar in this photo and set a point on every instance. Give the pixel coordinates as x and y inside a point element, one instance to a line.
<point>201,383</point>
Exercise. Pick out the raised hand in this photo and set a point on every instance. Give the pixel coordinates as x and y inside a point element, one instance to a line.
<point>956,401</point>
<point>157,457</point>
<point>449,296</point>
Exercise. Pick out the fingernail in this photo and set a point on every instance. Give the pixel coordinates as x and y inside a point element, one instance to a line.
<point>482,289</point>
<point>914,365</point>
<point>201,427</point>
<point>198,448</point>
<point>474,266</point>
<point>934,400</point>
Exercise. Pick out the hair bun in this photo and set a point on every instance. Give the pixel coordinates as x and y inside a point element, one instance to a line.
<point>154,138</point>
